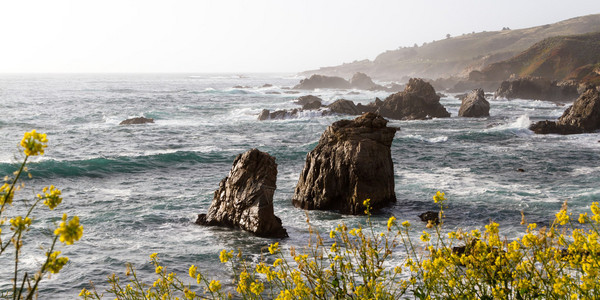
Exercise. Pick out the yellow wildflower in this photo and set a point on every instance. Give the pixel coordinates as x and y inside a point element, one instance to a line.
<point>20,224</point>
<point>51,197</point>
<point>406,224</point>
<point>439,197</point>
<point>69,232</point>
<point>562,217</point>
<point>390,222</point>
<point>277,262</point>
<point>192,271</point>
<point>257,288</point>
<point>34,143</point>
<point>55,263</point>
<point>582,218</point>
<point>224,256</point>
<point>214,286</point>
<point>158,269</point>
<point>274,248</point>
<point>425,237</point>
<point>6,194</point>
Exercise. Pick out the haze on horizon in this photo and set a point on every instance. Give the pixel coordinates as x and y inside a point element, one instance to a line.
<point>136,36</point>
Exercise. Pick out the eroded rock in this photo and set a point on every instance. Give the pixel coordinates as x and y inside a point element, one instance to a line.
<point>582,116</point>
<point>474,105</point>
<point>245,197</point>
<point>138,120</point>
<point>351,163</point>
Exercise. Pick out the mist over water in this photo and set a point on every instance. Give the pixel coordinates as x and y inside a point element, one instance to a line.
<point>138,189</point>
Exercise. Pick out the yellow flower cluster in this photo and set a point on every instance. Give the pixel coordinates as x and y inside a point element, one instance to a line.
<point>34,143</point>
<point>69,232</point>
<point>274,248</point>
<point>55,263</point>
<point>51,197</point>
<point>20,224</point>
<point>6,194</point>
<point>225,256</point>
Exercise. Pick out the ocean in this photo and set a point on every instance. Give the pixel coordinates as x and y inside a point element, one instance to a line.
<point>138,189</point>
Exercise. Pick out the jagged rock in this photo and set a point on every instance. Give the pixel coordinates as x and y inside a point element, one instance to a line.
<point>351,163</point>
<point>418,101</point>
<point>474,105</point>
<point>307,100</point>
<point>245,197</point>
<point>344,107</point>
<point>322,82</point>
<point>138,120</point>
<point>582,116</point>
<point>266,114</point>
<point>537,88</point>
<point>371,107</point>
<point>430,216</point>
<point>267,85</point>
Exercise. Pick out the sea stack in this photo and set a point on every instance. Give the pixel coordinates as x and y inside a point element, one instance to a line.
<point>351,163</point>
<point>245,197</point>
<point>474,105</point>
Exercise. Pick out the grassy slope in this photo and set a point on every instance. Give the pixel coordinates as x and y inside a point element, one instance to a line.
<point>458,55</point>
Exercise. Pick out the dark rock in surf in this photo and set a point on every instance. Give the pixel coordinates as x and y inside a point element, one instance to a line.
<point>537,88</point>
<point>363,82</point>
<point>138,120</point>
<point>351,163</point>
<point>322,82</point>
<point>245,197</point>
<point>430,217</point>
<point>307,99</point>
<point>474,105</point>
<point>418,101</point>
<point>344,107</point>
<point>582,116</point>
<point>266,114</point>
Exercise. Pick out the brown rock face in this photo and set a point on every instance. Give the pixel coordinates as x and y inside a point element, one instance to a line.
<point>418,101</point>
<point>304,100</point>
<point>322,82</point>
<point>344,107</point>
<point>474,105</point>
<point>351,163</point>
<point>245,197</point>
<point>139,120</point>
<point>537,88</point>
<point>363,82</point>
<point>582,116</point>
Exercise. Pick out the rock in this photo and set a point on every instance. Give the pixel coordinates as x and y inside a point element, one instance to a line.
<point>138,120</point>
<point>267,85</point>
<point>291,92</point>
<point>582,116</point>
<point>430,216</point>
<point>266,114</point>
<point>322,82</point>
<point>418,101</point>
<point>537,88</point>
<point>474,105</point>
<point>241,87</point>
<point>245,197</point>
<point>351,163</point>
<point>363,82</point>
<point>521,170</point>
<point>344,107</point>
<point>307,99</point>
<point>272,93</point>
<point>371,107</point>
<point>312,105</point>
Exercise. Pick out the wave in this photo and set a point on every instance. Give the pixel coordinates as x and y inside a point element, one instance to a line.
<point>522,123</point>
<point>101,166</point>
<point>433,140</point>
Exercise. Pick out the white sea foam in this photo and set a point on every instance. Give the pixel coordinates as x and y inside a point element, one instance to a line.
<point>433,140</point>
<point>520,124</point>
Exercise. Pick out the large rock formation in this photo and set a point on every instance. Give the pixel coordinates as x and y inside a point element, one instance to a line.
<point>363,82</point>
<point>418,101</point>
<point>245,197</point>
<point>474,105</point>
<point>266,114</point>
<point>351,163</point>
<point>138,120</point>
<point>304,100</point>
<point>322,82</point>
<point>582,116</point>
<point>537,88</point>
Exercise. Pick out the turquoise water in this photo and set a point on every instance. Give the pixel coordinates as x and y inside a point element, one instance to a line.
<point>138,189</point>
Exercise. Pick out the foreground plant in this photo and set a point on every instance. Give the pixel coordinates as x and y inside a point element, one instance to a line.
<point>25,284</point>
<point>556,262</point>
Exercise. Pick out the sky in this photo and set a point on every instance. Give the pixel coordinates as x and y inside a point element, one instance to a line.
<point>205,36</point>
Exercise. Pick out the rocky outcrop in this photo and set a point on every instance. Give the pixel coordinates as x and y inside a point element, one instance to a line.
<point>474,105</point>
<point>351,163</point>
<point>430,217</point>
<point>322,82</point>
<point>537,88</point>
<point>307,100</point>
<point>245,197</point>
<point>363,82</point>
<point>418,101</point>
<point>344,107</point>
<point>138,120</point>
<point>266,114</point>
<point>582,116</point>
<point>312,105</point>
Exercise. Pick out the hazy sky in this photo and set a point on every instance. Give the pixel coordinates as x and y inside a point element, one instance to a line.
<point>243,35</point>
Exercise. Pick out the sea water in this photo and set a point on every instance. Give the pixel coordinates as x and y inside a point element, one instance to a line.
<point>138,189</point>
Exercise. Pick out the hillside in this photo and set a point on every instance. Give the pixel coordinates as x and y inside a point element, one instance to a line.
<point>556,58</point>
<point>457,56</point>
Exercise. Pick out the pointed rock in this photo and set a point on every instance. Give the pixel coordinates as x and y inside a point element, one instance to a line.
<point>474,105</point>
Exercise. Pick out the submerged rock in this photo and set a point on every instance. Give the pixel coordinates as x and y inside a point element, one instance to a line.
<point>138,120</point>
<point>351,163</point>
<point>474,105</point>
<point>582,116</point>
<point>245,197</point>
<point>418,101</point>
